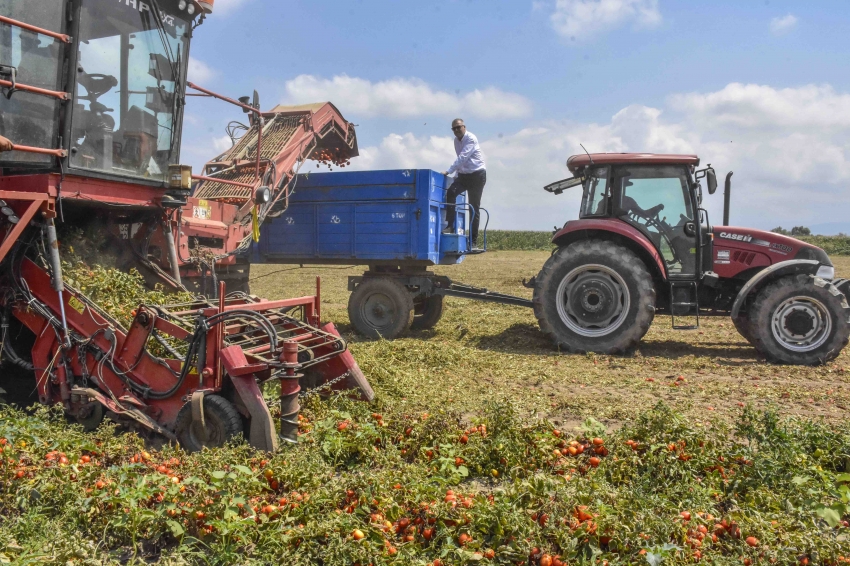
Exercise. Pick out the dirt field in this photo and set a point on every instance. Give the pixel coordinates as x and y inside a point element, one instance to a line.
<point>482,351</point>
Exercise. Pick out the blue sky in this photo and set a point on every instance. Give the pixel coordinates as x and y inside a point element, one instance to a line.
<point>760,87</point>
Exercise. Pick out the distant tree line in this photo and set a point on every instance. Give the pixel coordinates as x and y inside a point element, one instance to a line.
<point>795,231</point>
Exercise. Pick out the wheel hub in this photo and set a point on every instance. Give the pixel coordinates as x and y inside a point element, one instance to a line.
<point>801,324</point>
<point>593,300</point>
<point>378,310</point>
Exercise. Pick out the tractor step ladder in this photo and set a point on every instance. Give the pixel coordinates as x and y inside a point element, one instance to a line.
<point>692,290</point>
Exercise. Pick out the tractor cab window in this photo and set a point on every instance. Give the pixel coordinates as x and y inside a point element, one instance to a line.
<point>656,199</point>
<point>132,57</point>
<point>31,59</point>
<point>595,197</point>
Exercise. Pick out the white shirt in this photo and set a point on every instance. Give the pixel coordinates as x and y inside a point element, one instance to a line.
<point>470,158</point>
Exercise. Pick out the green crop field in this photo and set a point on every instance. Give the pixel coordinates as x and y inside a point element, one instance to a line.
<point>485,446</point>
<point>502,240</point>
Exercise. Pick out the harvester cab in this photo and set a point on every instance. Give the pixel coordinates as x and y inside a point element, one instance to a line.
<point>643,244</point>
<point>93,97</point>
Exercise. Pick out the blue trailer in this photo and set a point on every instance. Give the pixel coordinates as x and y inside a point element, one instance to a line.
<point>391,221</point>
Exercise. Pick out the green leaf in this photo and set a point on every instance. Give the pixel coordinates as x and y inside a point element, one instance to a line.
<point>799,480</point>
<point>176,528</point>
<point>463,471</point>
<point>830,515</point>
<point>654,559</point>
<point>842,478</point>
<point>219,474</point>
<point>244,469</point>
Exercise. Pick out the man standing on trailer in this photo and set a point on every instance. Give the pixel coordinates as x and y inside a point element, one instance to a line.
<point>5,145</point>
<point>471,175</point>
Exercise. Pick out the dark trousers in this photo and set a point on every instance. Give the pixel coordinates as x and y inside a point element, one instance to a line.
<point>473,185</point>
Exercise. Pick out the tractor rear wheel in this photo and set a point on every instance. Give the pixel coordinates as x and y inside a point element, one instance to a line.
<point>381,307</point>
<point>221,419</point>
<point>594,296</point>
<point>800,320</point>
<point>427,312</point>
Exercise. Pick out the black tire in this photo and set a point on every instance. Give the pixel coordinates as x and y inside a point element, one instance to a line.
<point>843,285</point>
<point>381,308</point>
<point>222,420</point>
<point>427,312</point>
<point>742,325</point>
<point>800,320</point>
<point>609,274</point>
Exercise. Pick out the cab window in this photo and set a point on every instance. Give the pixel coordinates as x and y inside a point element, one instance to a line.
<point>596,191</point>
<point>656,199</point>
<point>26,118</point>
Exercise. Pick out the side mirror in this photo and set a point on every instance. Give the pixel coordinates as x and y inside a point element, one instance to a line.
<point>711,179</point>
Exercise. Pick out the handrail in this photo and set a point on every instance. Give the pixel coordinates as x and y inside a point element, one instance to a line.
<point>223,181</point>
<point>40,150</point>
<point>60,36</point>
<point>34,90</point>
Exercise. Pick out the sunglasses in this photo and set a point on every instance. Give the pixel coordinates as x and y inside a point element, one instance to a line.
<point>457,127</point>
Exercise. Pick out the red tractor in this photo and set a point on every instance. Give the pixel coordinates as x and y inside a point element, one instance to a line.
<point>93,93</point>
<point>643,245</point>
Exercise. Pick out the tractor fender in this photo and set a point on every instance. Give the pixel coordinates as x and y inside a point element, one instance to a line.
<point>617,231</point>
<point>775,271</point>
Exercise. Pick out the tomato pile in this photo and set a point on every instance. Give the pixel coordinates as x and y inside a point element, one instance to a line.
<point>364,487</point>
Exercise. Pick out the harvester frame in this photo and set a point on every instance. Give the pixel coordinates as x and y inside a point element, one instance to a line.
<point>190,372</point>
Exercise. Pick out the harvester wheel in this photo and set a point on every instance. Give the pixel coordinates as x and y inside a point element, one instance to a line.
<point>381,308</point>
<point>743,326</point>
<point>594,296</point>
<point>221,419</point>
<point>427,312</point>
<point>800,320</point>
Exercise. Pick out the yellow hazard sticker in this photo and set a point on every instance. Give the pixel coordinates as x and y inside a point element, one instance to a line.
<point>76,304</point>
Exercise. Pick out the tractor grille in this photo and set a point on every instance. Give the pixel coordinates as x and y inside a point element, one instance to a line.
<point>277,134</point>
<point>743,257</point>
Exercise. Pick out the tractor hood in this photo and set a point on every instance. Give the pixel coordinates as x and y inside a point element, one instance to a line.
<point>775,246</point>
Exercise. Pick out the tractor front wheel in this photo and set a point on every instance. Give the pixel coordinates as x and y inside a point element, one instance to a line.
<point>594,296</point>
<point>743,326</point>
<point>381,308</point>
<point>221,423</point>
<point>800,320</point>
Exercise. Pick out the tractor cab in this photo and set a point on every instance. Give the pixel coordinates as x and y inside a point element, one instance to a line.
<point>94,87</point>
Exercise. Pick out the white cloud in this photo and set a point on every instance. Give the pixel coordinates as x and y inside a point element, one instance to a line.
<point>222,144</point>
<point>581,19</point>
<point>405,98</point>
<point>200,72</point>
<point>780,26</point>
<point>223,7</point>
<point>789,148</point>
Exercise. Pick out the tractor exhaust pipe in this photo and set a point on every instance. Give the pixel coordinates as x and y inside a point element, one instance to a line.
<point>727,190</point>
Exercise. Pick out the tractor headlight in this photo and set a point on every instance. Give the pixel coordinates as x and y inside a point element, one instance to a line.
<point>191,9</point>
<point>826,272</point>
<point>181,5</point>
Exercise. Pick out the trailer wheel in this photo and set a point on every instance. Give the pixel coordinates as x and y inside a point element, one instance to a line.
<point>222,422</point>
<point>800,320</point>
<point>381,308</point>
<point>743,326</point>
<point>594,296</point>
<point>427,312</point>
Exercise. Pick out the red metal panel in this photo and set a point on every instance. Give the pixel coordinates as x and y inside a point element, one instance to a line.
<point>613,226</point>
<point>583,160</point>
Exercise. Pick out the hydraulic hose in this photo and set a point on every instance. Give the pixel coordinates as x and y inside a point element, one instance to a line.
<point>11,355</point>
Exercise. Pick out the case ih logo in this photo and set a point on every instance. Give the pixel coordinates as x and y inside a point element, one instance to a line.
<point>736,237</point>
